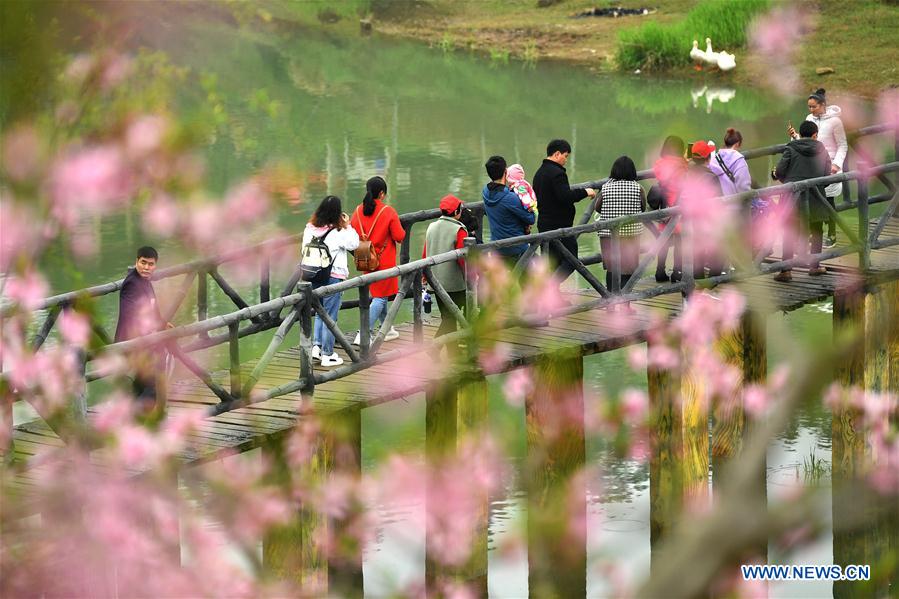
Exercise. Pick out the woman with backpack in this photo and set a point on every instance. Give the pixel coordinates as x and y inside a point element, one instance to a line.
<point>326,240</point>
<point>730,166</point>
<point>379,231</point>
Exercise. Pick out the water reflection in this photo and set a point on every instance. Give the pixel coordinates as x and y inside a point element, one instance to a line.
<point>722,95</point>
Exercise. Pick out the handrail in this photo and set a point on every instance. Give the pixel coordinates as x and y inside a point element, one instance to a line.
<point>419,265</point>
<point>305,301</point>
<point>409,218</point>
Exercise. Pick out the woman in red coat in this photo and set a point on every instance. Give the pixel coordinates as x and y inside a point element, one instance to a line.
<point>380,222</point>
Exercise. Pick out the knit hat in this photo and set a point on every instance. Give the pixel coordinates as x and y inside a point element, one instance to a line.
<point>450,203</point>
<point>701,149</point>
<point>515,173</point>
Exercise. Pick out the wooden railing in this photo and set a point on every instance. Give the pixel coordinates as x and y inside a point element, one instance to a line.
<point>305,303</point>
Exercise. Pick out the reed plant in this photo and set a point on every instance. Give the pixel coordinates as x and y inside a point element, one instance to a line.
<point>662,46</point>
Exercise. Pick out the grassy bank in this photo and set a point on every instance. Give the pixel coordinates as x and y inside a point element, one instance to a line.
<point>856,40</point>
<point>662,46</point>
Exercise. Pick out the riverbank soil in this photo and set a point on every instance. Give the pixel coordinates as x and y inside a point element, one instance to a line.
<point>857,39</point>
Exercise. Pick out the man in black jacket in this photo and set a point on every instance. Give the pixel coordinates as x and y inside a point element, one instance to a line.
<point>556,200</point>
<point>139,315</point>
<point>805,158</point>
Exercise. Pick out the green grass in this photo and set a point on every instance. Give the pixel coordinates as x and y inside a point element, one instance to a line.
<point>654,46</point>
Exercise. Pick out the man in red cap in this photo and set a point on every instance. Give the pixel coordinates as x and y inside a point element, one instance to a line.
<point>700,179</point>
<point>444,235</point>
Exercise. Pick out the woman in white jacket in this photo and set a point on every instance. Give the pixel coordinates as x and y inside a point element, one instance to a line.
<point>832,134</point>
<point>332,224</point>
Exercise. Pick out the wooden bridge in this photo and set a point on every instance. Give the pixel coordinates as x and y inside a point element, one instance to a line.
<point>261,398</point>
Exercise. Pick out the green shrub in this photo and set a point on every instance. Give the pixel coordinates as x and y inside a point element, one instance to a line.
<point>655,46</point>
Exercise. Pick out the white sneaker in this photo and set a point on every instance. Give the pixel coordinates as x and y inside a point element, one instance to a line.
<point>316,353</point>
<point>332,360</point>
<point>391,335</point>
<point>357,340</point>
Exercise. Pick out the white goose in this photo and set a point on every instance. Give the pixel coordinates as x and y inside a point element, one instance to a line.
<point>697,55</point>
<point>726,62</point>
<point>709,56</point>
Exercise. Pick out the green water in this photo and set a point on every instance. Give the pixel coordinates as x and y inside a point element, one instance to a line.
<point>339,110</point>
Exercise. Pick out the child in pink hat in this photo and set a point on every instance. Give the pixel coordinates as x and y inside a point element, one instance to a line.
<point>518,184</point>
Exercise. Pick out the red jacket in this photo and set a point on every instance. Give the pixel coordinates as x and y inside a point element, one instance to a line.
<point>387,232</point>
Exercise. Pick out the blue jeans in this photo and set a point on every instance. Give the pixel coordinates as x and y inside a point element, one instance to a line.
<point>323,337</point>
<point>377,310</point>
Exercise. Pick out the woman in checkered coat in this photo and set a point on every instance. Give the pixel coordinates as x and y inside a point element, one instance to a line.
<point>621,196</point>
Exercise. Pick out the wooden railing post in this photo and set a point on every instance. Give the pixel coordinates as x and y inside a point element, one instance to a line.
<point>440,443</point>
<point>405,247</point>
<point>679,462</point>
<point>417,306</point>
<point>864,250</point>
<point>364,321</point>
<point>265,287</point>
<point>79,406</point>
<point>234,359</point>
<point>557,559</point>
<point>202,298</point>
<point>471,284</point>
<point>341,455</point>
<point>306,333</point>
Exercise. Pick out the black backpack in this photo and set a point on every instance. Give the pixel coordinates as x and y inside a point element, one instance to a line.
<point>316,260</point>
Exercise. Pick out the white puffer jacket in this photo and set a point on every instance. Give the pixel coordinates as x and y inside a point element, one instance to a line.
<point>832,134</point>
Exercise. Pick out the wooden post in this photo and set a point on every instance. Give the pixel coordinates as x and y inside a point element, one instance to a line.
<point>453,414</point>
<point>864,250</point>
<point>342,456</point>
<point>291,552</point>
<point>471,287</point>
<point>472,419</point>
<point>440,442</point>
<point>557,552</point>
<point>202,298</point>
<point>745,348</point>
<point>306,333</point>
<point>364,321</point>
<point>79,406</point>
<point>265,287</point>
<point>417,306</point>
<point>678,472</point>
<point>234,359</point>
<point>848,442</point>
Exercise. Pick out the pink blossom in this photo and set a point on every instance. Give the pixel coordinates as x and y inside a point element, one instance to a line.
<point>662,356</point>
<point>137,447</point>
<point>634,405</point>
<point>541,297</point>
<point>27,290</point>
<point>145,135</point>
<point>888,108</point>
<point>492,360</point>
<point>756,400</point>
<point>80,67</point>
<point>776,38</point>
<point>709,218</point>
<point>22,153</point>
<point>21,232</point>
<point>91,180</point>
<point>116,69</point>
<point>519,383</point>
<point>75,328</point>
<point>67,113</point>
<point>246,204</point>
<point>113,413</point>
<point>637,358</point>
<point>161,216</point>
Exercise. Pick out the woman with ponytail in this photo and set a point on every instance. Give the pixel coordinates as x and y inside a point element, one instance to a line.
<point>832,134</point>
<point>379,223</point>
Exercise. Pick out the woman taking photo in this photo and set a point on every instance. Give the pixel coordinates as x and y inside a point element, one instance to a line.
<point>379,223</point>
<point>832,134</point>
<point>621,196</point>
<point>330,225</point>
